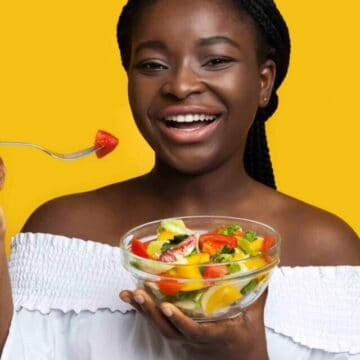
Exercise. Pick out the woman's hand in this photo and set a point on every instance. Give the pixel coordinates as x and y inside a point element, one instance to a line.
<point>239,338</point>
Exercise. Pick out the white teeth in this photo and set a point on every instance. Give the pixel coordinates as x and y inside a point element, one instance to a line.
<point>188,118</point>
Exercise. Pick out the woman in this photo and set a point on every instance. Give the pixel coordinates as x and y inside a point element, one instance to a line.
<point>203,77</point>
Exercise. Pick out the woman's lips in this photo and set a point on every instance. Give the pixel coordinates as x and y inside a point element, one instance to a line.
<point>189,132</point>
<point>189,123</point>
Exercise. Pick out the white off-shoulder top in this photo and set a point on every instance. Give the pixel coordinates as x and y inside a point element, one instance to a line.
<point>66,307</point>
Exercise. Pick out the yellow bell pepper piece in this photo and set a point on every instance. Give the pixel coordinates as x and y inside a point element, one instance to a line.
<point>170,273</point>
<point>165,235</point>
<point>255,263</point>
<point>238,254</point>
<point>190,272</point>
<point>263,278</point>
<point>194,286</point>
<point>257,244</point>
<point>199,258</point>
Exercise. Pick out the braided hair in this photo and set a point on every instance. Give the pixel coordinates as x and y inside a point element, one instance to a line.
<point>273,43</point>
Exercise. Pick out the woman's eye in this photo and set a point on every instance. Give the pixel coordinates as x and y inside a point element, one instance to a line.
<point>151,66</point>
<point>218,62</point>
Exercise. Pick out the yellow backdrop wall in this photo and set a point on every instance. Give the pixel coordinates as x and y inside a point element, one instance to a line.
<point>61,80</point>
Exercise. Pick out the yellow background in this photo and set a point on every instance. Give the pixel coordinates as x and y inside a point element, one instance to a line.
<point>61,80</point>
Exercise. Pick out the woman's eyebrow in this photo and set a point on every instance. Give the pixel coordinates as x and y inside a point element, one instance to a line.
<point>213,40</point>
<point>151,44</point>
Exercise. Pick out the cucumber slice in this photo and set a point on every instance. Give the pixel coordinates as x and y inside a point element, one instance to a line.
<point>186,305</point>
<point>155,268</point>
<point>249,287</point>
<point>176,226</point>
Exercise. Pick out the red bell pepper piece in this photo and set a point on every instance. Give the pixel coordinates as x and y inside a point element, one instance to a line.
<point>139,248</point>
<point>107,141</point>
<point>211,243</point>
<point>169,287</point>
<point>228,240</point>
<point>215,271</point>
<point>211,247</point>
<point>269,242</point>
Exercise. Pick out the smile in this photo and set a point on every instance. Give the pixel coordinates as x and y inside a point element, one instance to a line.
<point>189,118</point>
<point>189,122</point>
<point>189,128</point>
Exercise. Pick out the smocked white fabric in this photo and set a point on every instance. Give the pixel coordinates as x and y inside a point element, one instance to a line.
<point>318,307</point>
<point>56,272</point>
<point>65,293</point>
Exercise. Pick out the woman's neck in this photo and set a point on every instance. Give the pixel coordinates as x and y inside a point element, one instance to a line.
<point>211,190</point>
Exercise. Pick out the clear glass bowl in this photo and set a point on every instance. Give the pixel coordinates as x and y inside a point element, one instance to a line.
<point>203,299</point>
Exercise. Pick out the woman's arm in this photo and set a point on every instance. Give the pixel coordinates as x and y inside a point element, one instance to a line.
<point>6,306</point>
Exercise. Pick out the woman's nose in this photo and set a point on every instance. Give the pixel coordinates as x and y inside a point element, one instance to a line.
<point>182,83</point>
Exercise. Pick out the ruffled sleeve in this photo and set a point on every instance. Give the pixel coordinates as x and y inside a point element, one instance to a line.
<point>316,307</point>
<point>66,304</point>
<point>57,272</point>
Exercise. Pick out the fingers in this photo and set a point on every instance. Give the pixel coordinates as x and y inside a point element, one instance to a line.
<point>128,297</point>
<point>173,324</point>
<point>151,309</point>
<point>190,329</point>
<point>201,333</point>
<point>2,173</point>
<point>141,301</point>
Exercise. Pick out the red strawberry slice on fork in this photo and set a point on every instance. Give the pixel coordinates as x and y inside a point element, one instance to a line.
<point>105,140</point>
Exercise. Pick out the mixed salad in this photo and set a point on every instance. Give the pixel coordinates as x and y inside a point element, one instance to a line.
<point>210,260</point>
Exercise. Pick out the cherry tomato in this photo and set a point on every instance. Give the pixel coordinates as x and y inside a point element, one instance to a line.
<point>215,271</point>
<point>169,287</point>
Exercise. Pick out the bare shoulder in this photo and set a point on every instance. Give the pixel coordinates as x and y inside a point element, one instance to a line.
<point>321,237</point>
<point>333,240</point>
<point>99,215</point>
<point>71,215</point>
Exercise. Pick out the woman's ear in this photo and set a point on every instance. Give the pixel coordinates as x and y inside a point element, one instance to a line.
<point>267,80</point>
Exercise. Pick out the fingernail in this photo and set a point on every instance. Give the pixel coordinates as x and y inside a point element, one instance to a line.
<point>126,299</point>
<point>139,299</point>
<point>166,311</point>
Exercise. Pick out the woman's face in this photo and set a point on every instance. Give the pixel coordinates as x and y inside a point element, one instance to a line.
<point>195,83</point>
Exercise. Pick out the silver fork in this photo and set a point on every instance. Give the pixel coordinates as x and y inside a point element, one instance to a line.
<point>55,155</point>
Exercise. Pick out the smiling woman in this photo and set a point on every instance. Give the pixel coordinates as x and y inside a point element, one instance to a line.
<point>312,155</point>
<point>202,80</point>
<point>210,60</point>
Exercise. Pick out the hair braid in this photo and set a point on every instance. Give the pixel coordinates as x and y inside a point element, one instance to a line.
<point>274,32</point>
<point>274,43</point>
